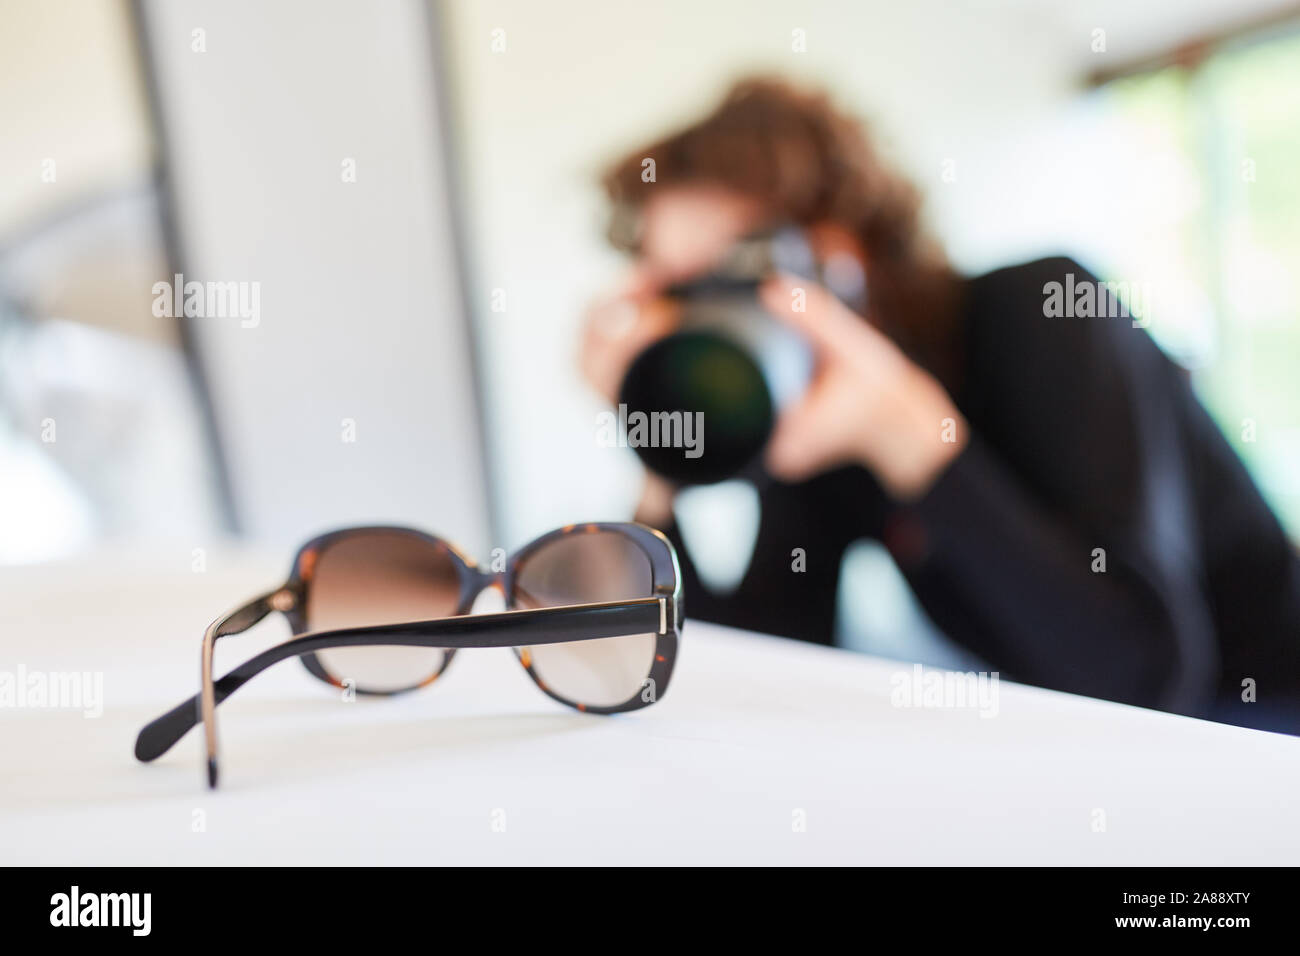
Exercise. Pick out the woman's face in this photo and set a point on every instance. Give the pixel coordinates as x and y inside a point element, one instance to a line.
<point>686,229</point>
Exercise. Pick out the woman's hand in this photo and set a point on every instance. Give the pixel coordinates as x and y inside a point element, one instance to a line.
<point>868,404</point>
<point>618,328</point>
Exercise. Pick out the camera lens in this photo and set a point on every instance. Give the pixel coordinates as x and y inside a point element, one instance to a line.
<point>715,382</point>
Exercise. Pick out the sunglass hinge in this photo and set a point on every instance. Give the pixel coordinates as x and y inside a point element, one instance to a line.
<point>283,600</point>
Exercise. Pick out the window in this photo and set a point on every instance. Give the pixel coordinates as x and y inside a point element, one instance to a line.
<point>1222,142</point>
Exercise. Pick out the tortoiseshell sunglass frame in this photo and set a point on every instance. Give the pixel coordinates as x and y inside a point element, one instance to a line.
<point>661,613</point>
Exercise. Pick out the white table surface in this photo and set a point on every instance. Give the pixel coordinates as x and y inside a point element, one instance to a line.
<point>753,732</point>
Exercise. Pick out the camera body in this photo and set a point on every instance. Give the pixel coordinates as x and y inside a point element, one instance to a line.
<point>731,367</point>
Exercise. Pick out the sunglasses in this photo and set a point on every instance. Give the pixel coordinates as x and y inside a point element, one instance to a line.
<point>595,613</point>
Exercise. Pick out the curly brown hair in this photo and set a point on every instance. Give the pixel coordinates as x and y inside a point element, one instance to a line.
<point>807,162</point>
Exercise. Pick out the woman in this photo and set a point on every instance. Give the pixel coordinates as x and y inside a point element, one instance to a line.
<point>1056,497</point>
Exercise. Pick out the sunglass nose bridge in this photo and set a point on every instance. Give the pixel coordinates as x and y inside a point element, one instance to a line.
<point>489,592</point>
<point>486,580</point>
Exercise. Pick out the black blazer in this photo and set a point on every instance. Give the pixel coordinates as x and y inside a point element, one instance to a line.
<point>1085,436</point>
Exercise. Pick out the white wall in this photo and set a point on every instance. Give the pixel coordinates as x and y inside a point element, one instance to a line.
<point>68,92</point>
<point>361,314</point>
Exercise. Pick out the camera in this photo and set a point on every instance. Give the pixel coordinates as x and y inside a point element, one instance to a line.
<point>730,367</point>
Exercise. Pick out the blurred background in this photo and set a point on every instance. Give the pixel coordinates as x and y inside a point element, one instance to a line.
<point>401,198</point>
